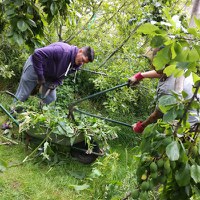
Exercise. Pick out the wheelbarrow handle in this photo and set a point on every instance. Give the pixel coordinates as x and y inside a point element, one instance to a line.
<point>7,113</point>
<point>11,94</point>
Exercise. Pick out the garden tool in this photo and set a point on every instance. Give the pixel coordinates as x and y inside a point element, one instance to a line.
<point>71,106</point>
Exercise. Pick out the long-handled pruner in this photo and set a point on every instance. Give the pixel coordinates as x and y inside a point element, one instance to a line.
<point>7,112</point>
<point>72,109</point>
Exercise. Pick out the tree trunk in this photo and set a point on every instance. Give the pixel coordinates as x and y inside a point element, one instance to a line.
<point>195,12</point>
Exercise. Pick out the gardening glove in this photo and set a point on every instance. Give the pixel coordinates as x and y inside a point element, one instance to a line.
<point>52,86</point>
<point>135,79</point>
<point>41,82</point>
<point>138,128</point>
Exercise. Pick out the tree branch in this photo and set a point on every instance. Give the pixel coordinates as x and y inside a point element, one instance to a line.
<point>186,109</point>
<point>72,36</point>
<point>106,20</point>
<point>122,44</point>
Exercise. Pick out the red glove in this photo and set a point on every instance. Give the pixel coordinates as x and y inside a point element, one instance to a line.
<point>138,76</point>
<point>138,128</point>
<point>135,79</point>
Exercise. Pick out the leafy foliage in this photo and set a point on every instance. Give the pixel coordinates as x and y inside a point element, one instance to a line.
<point>54,121</point>
<point>120,31</point>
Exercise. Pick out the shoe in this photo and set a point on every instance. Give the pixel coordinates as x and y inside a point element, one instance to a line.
<point>5,126</point>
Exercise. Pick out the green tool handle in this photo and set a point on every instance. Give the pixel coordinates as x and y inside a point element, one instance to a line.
<point>96,94</point>
<point>11,94</point>
<point>103,118</point>
<point>14,120</point>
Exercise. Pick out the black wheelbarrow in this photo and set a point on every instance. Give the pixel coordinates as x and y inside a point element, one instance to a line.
<point>78,150</point>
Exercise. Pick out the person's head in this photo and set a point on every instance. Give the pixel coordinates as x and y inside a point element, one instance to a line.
<point>84,55</point>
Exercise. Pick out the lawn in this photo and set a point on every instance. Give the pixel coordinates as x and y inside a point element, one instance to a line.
<point>110,177</point>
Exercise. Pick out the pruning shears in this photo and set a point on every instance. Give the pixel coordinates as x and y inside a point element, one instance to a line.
<point>72,109</point>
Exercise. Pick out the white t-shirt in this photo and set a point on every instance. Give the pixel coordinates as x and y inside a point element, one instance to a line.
<point>167,85</point>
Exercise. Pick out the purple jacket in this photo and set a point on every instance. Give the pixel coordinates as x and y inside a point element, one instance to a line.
<point>51,62</point>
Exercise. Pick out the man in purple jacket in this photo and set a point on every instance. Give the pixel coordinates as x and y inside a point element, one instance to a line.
<point>48,66</point>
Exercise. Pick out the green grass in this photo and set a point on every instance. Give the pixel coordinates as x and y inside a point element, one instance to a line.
<point>39,180</point>
<point>110,177</point>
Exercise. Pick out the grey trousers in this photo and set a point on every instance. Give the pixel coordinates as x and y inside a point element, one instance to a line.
<point>29,81</point>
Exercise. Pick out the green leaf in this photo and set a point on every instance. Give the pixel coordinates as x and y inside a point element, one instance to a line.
<point>77,174</point>
<point>182,176</point>
<point>182,65</point>
<point>170,115</point>
<point>196,78</point>
<point>147,28</point>
<point>166,100</point>
<point>183,154</point>
<point>31,22</point>
<point>60,130</point>
<point>53,8</point>
<point>162,58</point>
<point>195,173</point>
<point>169,70</point>
<point>3,165</point>
<point>193,55</point>
<point>167,12</point>
<point>182,56</point>
<point>19,2</point>
<point>22,25</point>
<point>95,173</point>
<point>197,22</point>
<point>157,41</point>
<point>80,187</point>
<point>192,31</point>
<point>173,52</point>
<point>178,72</point>
<point>18,38</point>
<point>10,12</point>
<point>197,47</point>
<point>69,129</point>
<point>172,151</point>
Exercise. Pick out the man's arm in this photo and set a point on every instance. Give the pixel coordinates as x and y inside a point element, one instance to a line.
<point>141,75</point>
<point>140,126</point>
<point>151,74</point>
<point>157,114</point>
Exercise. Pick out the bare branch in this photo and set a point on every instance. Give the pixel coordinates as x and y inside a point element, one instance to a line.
<point>187,108</point>
<point>121,45</point>
<point>71,37</point>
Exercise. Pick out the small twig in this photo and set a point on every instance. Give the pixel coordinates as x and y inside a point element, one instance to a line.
<point>71,37</point>
<point>94,72</point>
<point>5,138</point>
<point>187,108</point>
<point>121,45</point>
<point>127,196</point>
<point>33,152</point>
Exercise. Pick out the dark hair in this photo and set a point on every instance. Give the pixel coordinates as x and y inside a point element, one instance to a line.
<point>89,52</point>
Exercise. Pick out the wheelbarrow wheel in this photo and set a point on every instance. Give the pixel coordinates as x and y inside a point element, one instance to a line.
<point>79,151</point>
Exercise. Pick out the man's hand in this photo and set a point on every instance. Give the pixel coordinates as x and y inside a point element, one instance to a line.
<point>51,86</point>
<point>135,79</point>
<point>41,82</point>
<point>138,128</point>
